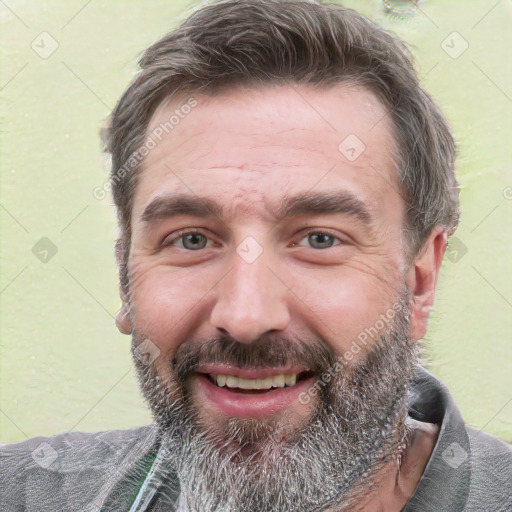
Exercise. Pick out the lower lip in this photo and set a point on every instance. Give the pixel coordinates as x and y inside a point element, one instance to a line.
<point>250,405</point>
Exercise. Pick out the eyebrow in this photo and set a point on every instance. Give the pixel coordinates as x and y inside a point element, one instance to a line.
<point>305,203</point>
<point>164,207</point>
<point>336,202</point>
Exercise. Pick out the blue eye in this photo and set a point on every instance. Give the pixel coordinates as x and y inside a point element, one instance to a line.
<point>194,241</point>
<point>319,240</point>
<point>191,240</point>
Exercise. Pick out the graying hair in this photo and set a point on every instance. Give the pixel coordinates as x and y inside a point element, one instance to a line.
<point>305,42</point>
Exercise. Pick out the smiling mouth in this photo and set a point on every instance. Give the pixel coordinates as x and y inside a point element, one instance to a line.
<point>250,392</point>
<point>238,384</point>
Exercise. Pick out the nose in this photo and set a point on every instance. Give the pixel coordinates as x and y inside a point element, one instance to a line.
<point>251,301</point>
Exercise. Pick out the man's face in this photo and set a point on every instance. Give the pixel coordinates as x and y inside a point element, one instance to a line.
<point>296,262</point>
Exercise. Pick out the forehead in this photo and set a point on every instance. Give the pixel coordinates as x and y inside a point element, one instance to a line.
<point>249,148</point>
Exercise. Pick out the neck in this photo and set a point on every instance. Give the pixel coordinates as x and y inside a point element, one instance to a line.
<point>397,479</point>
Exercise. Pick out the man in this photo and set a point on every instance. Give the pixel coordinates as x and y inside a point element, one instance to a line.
<point>285,191</point>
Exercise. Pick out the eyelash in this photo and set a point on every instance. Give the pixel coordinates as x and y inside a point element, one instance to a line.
<point>322,232</point>
<point>180,234</point>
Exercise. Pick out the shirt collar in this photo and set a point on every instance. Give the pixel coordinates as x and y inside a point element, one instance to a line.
<point>445,482</point>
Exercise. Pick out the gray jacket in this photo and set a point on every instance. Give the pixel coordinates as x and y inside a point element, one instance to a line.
<point>468,470</point>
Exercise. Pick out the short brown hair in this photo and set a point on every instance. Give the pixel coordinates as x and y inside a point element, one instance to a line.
<point>305,42</point>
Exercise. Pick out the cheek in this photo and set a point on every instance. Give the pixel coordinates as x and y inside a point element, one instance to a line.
<point>345,303</point>
<point>165,303</point>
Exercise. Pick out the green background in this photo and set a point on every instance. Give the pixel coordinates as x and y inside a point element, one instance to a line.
<point>63,364</point>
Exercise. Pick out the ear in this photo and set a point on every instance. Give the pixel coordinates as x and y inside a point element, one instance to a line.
<point>422,281</point>
<point>123,318</point>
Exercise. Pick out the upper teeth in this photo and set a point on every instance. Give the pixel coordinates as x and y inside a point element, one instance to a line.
<point>276,381</point>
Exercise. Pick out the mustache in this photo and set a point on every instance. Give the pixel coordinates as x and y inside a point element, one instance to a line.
<point>267,351</point>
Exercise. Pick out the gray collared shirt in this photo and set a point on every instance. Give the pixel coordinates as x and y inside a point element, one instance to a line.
<point>468,470</point>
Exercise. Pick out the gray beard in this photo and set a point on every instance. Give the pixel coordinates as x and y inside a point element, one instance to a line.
<point>358,425</point>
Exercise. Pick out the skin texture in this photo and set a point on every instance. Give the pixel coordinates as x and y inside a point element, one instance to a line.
<point>248,150</point>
